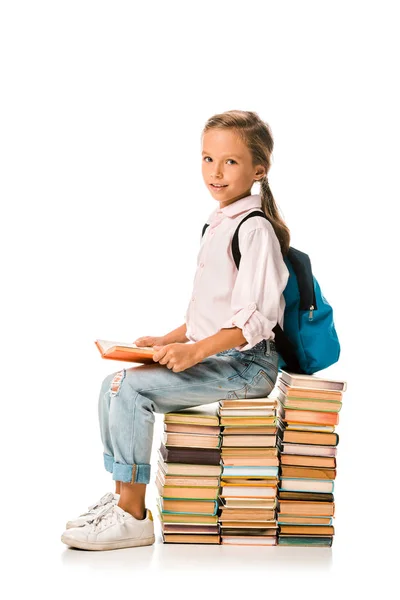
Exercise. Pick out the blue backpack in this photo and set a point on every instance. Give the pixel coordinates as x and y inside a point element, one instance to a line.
<point>308,342</point>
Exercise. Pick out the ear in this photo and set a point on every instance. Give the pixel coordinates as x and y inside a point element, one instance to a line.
<point>260,172</point>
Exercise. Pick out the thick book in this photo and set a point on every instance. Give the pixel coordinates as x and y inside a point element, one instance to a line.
<point>204,414</point>
<point>306,496</point>
<point>190,538</point>
<point>185,469</point>
<point>125,351</point>
<point>165,479</point>
<point>184,528</point>
<point>309,450</point>
<point>247,421</point>
<point>306,437</point>
<point>186,506</point>
<point>249,471</point>
<point>296,484</point>
<point>247,412</point>
<point>186,518</point>
<point>267,480</point>
<point>234,528</point>
<point>312,473</point>
<point>284,519</point>
<point>311,417</point>
<point>249,452</point>
<point>303,403</point>
<point>308,461</point>
<point>263,441</point>
<point>252,503</point>
<point>235,403</point>
<point>308,529</point>
<point>307,427</point>
<point>189,428</point>
<point>311,381</point>
<point>191,440</point>
<point>249,541</point>
<point>251,429</point>
<point>243,514</point>
<point>195,456</point>
<point>254,491</point>
<point>321,509</point>
<point>293,392</point>
<point>289,540</point>
<point>250,461</point>
<point>190,493</point>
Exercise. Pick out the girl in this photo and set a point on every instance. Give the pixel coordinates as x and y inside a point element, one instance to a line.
<point>229,322</point>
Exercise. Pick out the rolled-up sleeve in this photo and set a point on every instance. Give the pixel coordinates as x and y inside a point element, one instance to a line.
<point>257,301</point>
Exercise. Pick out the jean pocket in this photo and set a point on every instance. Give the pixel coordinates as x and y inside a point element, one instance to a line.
<point>263,383</point>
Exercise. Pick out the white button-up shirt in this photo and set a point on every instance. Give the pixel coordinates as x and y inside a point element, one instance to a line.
<point>223,296</point>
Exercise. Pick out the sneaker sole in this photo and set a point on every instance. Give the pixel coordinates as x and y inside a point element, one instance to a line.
<point>109,545</point>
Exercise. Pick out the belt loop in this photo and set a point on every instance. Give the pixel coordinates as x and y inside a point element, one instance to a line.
<point>268,347</point>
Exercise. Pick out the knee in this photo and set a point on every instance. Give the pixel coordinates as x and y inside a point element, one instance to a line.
<point>111,383</point>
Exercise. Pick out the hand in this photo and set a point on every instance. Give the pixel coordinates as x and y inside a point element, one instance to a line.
<point>149,341</point>
<point>177,357</point>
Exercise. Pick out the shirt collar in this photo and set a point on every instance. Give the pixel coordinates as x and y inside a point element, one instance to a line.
<point>234,209</point>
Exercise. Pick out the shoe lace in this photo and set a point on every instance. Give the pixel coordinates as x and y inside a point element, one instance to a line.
<point>103,501</point>
<point>105,517</point>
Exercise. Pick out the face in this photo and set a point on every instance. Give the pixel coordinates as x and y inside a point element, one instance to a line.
<point>227,161</point>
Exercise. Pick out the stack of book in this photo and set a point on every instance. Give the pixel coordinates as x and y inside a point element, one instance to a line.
<point>189,475</point>
<point>251,430</point>
<point>311,408</point>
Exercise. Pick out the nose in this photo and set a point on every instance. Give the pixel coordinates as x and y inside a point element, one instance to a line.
<point>217,172</point>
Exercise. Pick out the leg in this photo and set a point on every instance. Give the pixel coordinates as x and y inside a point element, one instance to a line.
<point>141,391</point>
<point>132,499</point>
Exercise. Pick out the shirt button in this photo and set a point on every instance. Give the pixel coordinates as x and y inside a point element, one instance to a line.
<point>192,299</point>
<point>252,306</point>
<point>201,265</point>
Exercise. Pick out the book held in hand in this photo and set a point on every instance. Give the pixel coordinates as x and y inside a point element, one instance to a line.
<point>125,351</point>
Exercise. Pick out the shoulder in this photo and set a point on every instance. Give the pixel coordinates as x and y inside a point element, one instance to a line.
<point>259,224</point>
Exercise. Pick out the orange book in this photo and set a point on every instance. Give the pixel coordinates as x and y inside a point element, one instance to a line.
<point>125,352</point>
<point>307,529</point>
<point>306,416</point>
<point>306,437</point>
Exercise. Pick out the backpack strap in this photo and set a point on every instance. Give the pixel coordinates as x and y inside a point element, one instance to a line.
<point>283,345</point>
<point>235,240</point>
<point>204,228</point>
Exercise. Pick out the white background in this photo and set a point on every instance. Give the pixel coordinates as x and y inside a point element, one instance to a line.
<point>102,206</point>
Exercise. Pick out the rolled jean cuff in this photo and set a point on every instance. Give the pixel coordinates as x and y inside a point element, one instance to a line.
<point>131,473</point>
<point>108,462</point>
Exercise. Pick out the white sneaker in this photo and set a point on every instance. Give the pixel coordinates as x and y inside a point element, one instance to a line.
<point>93,510</point>
<point>111,529</point>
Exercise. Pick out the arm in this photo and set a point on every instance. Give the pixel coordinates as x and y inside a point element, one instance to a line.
<point>176,336</point>
<point>257,300</point>
<point>222,340</point>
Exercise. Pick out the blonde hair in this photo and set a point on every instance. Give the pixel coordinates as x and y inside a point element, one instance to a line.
<point>257,136</point>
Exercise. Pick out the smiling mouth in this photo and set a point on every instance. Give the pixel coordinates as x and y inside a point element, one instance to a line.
<point>218,186</point>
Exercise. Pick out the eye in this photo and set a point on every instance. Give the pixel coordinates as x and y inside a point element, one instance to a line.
<point>234,161</point>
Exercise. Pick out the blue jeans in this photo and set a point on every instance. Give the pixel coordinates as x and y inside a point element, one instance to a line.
<point>130,397</point>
